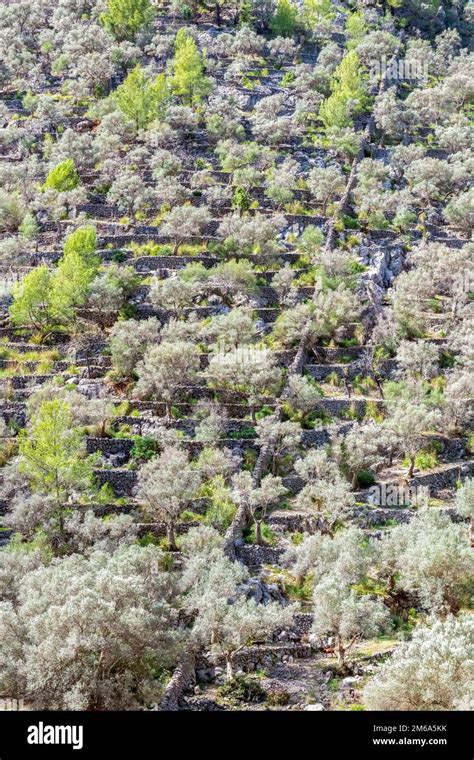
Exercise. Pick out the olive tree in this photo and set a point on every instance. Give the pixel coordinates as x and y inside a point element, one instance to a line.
<point>431,557</point>
<point>280,439</point>
<point>428,672</point>
<point>456,404</point>
<point>232,281</point>
<point>88,633</point>
<point>319,319</point>
<point>248,371</point>
<point>359,448</point>
<point>230,330</point>
<point>166,486</point>
<point>418,359</point>
<point>464,503</point>
<point>326,496</point>
<point>340,612</point>
<point>224,619</point>
<point>109,292</point>
<point>164,369</point>
<point>346,555</point>
<point>259,498</point>
<point>408,422</point>
<point>257,233</point>
<point>129,193</point>
<point>184,222</point>
<point>129,340</point>
<point>302,395</point>
<point>212,419</point>
<point>173,294</point>
<point>325,184</point>
<point>458,213</point>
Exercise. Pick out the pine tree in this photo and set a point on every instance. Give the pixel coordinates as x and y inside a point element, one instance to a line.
<point>70,286</point>
<point>62,177</point>
<point>140,98</point>
<point>74,275</point>
<point>48,300</point>
<point>241,200</point>
<point>284,21</point>
<point>316,11</point>
<point>348,94</point>
<point>84,242</point>
<point>28,229</point>
<point>125,18</point>
<point>356,28</point>
<point>189,81</point>
<point>50,456</point>
<point>32,300</point>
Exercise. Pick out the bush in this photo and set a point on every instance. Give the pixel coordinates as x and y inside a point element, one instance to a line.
<point>268,536</point>
<point>425,459</point>
<point>278,698</point>
<point>243,689</point>
<point>12,211</point>
<point>119,257</point>
<point>242,434</point>
<point>221,510</point>
<point>365,478</point>
<point>144,448</point>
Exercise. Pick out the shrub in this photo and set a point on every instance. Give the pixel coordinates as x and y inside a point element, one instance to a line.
<point>243,689</point>
<point>278,698</point>
<point>365,478</point>
<point>144,448</point>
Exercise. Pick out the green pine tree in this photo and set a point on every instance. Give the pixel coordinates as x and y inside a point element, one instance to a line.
<point>50,454</point>
<point>240,200</point>
<point>356,29</point>
<point>285,19</point>
<point>73,277</point>
<point>141,98</point>
<point>125,18</point>
<point>348,94</point>
<point>188,81</point>
<point>28,229</point>
<point>62,177</point>
<point>316,11</point>
<point>32,301</point>
<point>84,242</point>
<point>48,300</point>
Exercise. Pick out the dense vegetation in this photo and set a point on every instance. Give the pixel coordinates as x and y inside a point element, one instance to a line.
<point>236,354</point>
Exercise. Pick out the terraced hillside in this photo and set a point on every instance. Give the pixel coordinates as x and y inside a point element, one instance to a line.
<point>236,354</point>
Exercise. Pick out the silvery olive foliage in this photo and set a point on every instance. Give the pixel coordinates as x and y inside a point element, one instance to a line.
<point>94,647</point>
<point>236,361</point>
<point>432,671</point>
